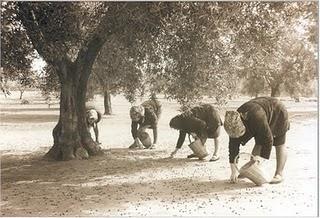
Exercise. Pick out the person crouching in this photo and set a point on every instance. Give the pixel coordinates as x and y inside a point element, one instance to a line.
<point>145,116</point>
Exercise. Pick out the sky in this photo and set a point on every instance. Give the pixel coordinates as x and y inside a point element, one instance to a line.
<point>38,64</point>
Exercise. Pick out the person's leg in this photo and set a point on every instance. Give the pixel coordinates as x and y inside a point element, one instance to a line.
<point>281,157</point>
<point>216,147</point>
<point>216,135</point>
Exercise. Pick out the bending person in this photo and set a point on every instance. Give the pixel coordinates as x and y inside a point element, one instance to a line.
<point>202,122</point>
<point>265,119</point>
<point>93,117</point>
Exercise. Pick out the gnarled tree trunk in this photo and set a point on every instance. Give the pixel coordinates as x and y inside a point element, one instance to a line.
<point>71,135</point>
<point>72,138</point>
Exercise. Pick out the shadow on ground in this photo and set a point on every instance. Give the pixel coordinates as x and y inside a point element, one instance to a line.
<point>114,161</point>
<point>33,186</point>
<point>28,118</point>
<point>15,110</point>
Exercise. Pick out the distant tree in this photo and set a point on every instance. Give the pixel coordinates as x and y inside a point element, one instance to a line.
<point>16,50</point>
<point>270,40</point>
<point>116,71</point>
<point>26,80</point>
<point>48,83</point>
<point>253,86</point>
<point>301,65</point>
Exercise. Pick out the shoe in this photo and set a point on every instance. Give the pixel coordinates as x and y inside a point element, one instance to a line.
<point>276,179</point>
<point>214,158</point>
<point>191,156</point>
<point>241,176</point>
<point>136,146</point>
<point>133,146</point>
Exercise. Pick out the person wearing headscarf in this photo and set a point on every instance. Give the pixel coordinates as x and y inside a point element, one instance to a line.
<point>266,120</point>
<point>201,122</point>
<point>93,117</point>
<point>145,116</point>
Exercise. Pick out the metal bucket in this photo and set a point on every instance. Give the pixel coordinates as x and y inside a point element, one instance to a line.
<point>198,149</point>
<point>145,139</point>
<point>252,170</point>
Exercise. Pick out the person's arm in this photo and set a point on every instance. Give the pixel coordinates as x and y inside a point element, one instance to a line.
<point>155,134</point>
<point>96,132</point>
<point>182,136</point>
<point>234,147</point>
<point>134,129</point>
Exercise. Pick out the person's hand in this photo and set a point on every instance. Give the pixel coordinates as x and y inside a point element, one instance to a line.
<point>194,135</point>
<point>258,158</point>
<point>174,153</point>
<point>234,173</point>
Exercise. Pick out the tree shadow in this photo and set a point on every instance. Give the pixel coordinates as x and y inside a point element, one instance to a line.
<point>29,118</point>
<point>29,109</point>
<point>114,161</point>
<point>107,181</point>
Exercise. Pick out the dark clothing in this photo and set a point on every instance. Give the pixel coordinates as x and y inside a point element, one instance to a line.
<point>203,120</point>
<point>265,119</point>
<point>152,112</point>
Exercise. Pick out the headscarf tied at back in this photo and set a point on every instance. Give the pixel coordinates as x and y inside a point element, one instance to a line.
<point>92,115</point>
<point>233,124</point>
<point>136,111</point>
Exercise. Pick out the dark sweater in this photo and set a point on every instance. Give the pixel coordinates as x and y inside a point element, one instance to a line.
<point>202,120</point>
<point>265,118</point>
<point>152,112</point>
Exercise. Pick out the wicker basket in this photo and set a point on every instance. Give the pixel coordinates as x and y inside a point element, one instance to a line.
<point>252,170</point>
<point>198,149</point>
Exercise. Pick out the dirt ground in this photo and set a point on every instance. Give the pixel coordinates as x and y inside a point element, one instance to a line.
<point>146,182</point>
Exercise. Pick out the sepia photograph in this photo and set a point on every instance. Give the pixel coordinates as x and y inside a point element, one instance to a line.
<point>159,108</point>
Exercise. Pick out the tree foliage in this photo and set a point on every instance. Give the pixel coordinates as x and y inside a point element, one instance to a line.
<point>16,50</point>
<point>192,58</point>
<point>117,69</point>
<point>271,53</point>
